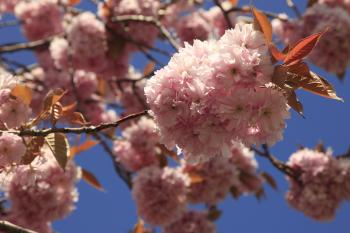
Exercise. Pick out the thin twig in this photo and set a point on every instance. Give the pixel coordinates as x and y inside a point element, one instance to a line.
<point>291,4</point>
<point>8,227</point>
<point>284,168</point>
<point>81,130</point>
<point>118,167</point>
<point>224,12</point>
<point>150,20</point>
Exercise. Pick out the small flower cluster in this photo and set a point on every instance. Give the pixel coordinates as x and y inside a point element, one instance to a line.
<point>42,192</point>
<point>34,12</point>
<point>205,182</point>
<point>211,93</point>
<point>322,186</point>
<point>138,147</point>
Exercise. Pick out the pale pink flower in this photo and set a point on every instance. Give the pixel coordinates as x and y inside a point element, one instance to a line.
<point>191,222</point>
<point>7,6</point>
<point>243,158</point>
<point>210,94</point>
<point>13,111</point>
<point>160,194</point>
<point>43,192</point>
<point>12,149</point>
<point>88,43</point>
<point>139,147</point>
<point>318,195</point>
<point>216,178</point>
<point>34,13</point>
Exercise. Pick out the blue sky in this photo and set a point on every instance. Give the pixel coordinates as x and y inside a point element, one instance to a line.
<point>114,210</point>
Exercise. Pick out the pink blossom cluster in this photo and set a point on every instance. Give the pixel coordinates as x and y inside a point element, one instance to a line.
<point>131,30</point>
<point>12,149</point>
<point>322,186</point>
<point>211,93</point>
<point>249,181</point>
<point>13,111</point>
<point>138,148</point>
<point>191,222</point>
<point>219,174</point>
<point>216,177</point>
<point>337,3</point>
<point>202,25</point>
<point>7,6</point>
<point>332,53</point>
<point>33,13</point>
<point>42,192</point>
<point>160,194</point>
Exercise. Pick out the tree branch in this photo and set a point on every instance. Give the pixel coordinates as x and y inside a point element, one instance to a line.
<point>224,12</point>
<point>284,168</point>
<point>151,20</point>
<point>8,227</point>
<point>81,130</point>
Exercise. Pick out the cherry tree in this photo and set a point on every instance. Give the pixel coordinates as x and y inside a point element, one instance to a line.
<point>184,129</point>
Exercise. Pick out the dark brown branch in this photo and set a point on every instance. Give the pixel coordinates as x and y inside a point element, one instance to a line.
<point>284,168</point>
<point>81,130</point>
<point>118,167</point>
<point>247,10</point>
<point>291,4</point>
<point>150,20</point>
<point>8,227</point>
<point>224,12</point>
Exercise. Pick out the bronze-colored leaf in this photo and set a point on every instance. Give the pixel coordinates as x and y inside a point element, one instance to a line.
<point>318,85</point>
<point>148,70</point>
<point>168,152</point>
<point>139,227</point>
<point>56,112</point>
<point>260,194</point>
<point>269,179</point>
<point>22,92</point>
<point>341,76</point>
<point>195,177</point>
<point>262,23</point>
<point>279,75</point>
<point>214,213</point>
<point>69,108</point>
<point>76,118</point>
<point>91,179</point>
<point>235,193</point>
<point>88,144</point>
<point>73,2</point>
<point>59,146</point>
<point>302,48</point>
<point>234,2</point>
<point>311,2</point>
<point>294,103</point>
<point>320,147</point>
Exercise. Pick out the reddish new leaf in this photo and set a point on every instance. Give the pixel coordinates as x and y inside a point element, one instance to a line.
<point>82,147</point>
<point>302,48</point>
<point>262,23</point>
<point>276,54</point>
<point>234,2</point>
<point>90,178</point>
